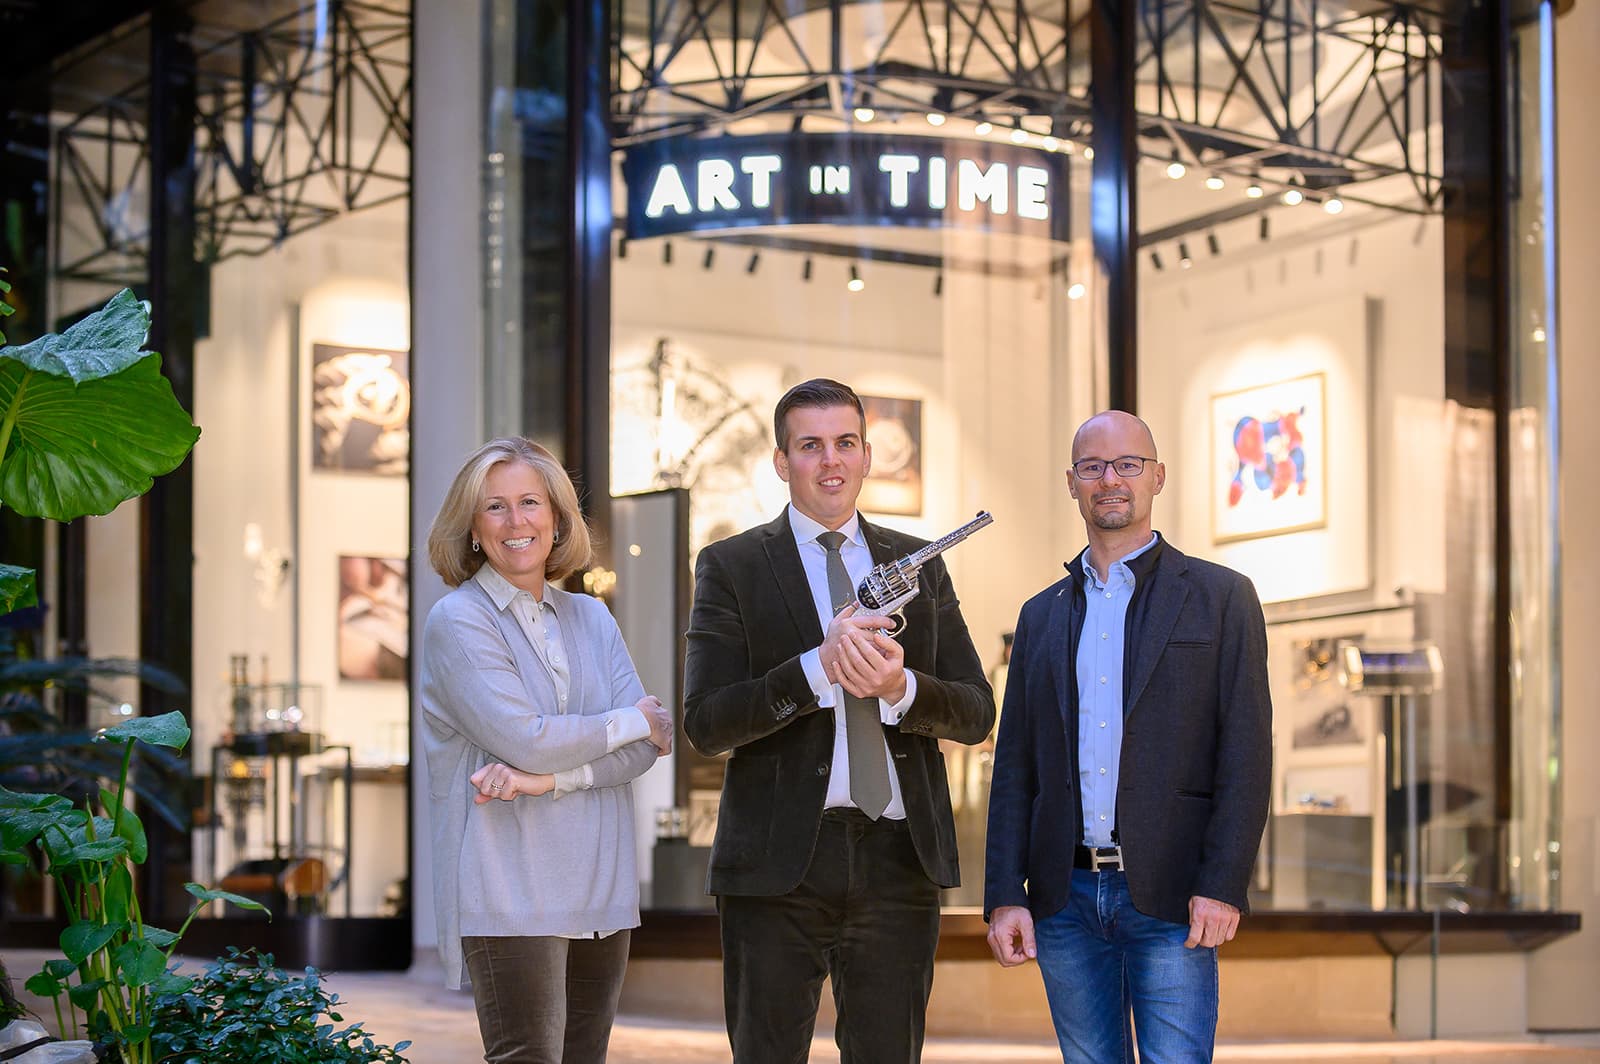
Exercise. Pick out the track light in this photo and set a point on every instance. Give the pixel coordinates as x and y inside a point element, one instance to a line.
<point>1088,153</point>
<point>1293,197</point>
<point>938,283</point>
<point>1213,244</point>
<point>1176,169</point>
<point>864,111</point>
<point>1184,258</point>
<point>1019,135</point>
<point>935,118</point>
<point>622,248</point>
<point>1075,290</point>
<point>1266,227</point>
<point>1215,183</point>
<point>855,284</point>
<point>1253,190</point>
<point>983,129</point>
<point>711,254</point>
<point>755,260</point>
<point>1155,260</point>
<point>1333,205</point>
<point>805,270</point>
<point>666,253</point>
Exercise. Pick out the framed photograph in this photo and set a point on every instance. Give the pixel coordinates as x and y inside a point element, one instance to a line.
<point>373,624</point>
<point>1269,459</point>
<point>894,429</point>
<point>360,410</point>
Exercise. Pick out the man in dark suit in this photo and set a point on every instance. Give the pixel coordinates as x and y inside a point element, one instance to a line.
<point>1131,772</point>
<point>834,834</point>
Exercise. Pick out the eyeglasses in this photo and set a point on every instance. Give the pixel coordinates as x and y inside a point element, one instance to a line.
<point>1129,465</point>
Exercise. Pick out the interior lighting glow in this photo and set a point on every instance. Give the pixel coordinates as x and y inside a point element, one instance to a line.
<point>1333,205</point>
<point>935,118</point>
<point>1214,183</point>
<point>1076,290</point>
<point>1176,169</point>
<point>983,129</point>
<point>1050,143</point>
<point>1088,153</point>
<point>1293,197</point>
<point>1538,336</point>
<point>865,114</point>
<point>1253,191</point>
<point>1184,258</point>
<point>1019,136</point>
<point>855,284</point>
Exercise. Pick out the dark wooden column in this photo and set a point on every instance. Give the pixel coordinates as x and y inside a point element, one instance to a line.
<point>1113,195</point>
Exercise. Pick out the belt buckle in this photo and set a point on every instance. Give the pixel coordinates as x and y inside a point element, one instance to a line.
<point>1102,858</point>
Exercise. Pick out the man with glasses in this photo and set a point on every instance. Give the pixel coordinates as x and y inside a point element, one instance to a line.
<point>1131,773</point>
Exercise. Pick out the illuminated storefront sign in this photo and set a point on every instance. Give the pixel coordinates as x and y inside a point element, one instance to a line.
<point>681,185</point>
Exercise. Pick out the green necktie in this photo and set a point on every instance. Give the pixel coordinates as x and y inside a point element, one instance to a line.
<point>863,728</point>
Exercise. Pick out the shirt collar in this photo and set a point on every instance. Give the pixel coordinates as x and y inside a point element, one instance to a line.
<point>806,530</point>
<point>500,590</point>
<point>1118,567</point>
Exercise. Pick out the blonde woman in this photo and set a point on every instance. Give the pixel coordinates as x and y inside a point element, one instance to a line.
<point>534,724</point>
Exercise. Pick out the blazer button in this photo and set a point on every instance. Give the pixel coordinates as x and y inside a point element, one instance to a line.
<point>822,770</point>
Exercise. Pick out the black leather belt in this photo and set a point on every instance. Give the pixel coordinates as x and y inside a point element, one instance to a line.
<point>1098,858</point>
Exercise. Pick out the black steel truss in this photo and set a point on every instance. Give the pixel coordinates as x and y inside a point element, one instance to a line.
<point>298,122</point>
<point>1311,92</point>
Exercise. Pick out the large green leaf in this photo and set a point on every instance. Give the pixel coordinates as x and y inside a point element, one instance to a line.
<point>16,588</point>
<point>140,962</point>
<point>169,730</point>
<point>207,894</point>
<point>85,937</point>
<point>83,449</point>
<point>104,343</point>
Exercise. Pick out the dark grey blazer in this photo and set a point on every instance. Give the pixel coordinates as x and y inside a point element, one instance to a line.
<point>746,692</point>
<point>1196,763</point>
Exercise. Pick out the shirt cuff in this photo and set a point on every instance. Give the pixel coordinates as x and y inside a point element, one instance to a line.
<point>573,779</point>
<point>894,714</point>
<point>625,725</point>
<point>811,662</point>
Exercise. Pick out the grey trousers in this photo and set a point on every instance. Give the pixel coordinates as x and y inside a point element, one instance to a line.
<point>546,1000</point>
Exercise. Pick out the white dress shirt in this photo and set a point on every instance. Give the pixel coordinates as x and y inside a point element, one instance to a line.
<point>858,563</point>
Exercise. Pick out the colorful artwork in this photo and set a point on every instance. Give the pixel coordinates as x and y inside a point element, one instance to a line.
<point>1270,461</point>
<point>894,429</point>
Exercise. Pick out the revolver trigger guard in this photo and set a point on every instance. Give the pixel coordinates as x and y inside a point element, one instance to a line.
<point>898,626</point>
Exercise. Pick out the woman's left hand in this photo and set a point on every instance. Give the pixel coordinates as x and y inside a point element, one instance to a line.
<point>505,783</point>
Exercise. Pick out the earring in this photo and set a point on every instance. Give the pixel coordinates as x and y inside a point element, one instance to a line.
<point>555,537</point>
<point>474,546</point>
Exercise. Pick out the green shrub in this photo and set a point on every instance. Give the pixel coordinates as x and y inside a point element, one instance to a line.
<point>246,1010</point>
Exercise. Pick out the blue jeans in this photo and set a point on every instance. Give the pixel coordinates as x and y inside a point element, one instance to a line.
<point>1102,959</point>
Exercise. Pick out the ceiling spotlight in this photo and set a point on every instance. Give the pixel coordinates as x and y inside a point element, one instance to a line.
<point>755,260</point>
<point>622,248</point>
<point>1155,260</point>
<point>711,255</point>
<point>1538,335</point>
<point>1184,258</point>
<point>1213,244</point>
<point>1214,183</point>
<point>1019,136</point>
<point>865,114</point>
<point>938,283</point>
<point>935,118</point>
<point>1293,197</point>
<point>1253,190</point>
<point>1076,290</point>
<point>1333,204</point>
<point>983,129</point>
<point>1176,169</point>
<point>666,253</point>
<point>1050,143</point>
<point>805,270</point>
<point>1088,153</point>
<point>855,284</point>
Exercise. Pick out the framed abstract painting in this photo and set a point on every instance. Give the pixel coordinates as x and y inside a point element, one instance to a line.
<point>1269,460</point>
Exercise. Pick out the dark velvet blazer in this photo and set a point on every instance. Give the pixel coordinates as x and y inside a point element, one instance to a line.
<point>1196,763</point>
<point>746,692</point>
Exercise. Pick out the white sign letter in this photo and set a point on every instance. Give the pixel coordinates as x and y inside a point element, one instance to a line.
<point>1032,184</point>
<point>836,180</point>
<point>938,182</point>
<point>716,185</point>
<point>973,185</point>
<point>760,168</point>
<point>899,168</point>
<point>668,191</point>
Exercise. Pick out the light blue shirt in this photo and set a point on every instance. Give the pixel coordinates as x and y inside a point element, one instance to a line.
<point>1100,665</point>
